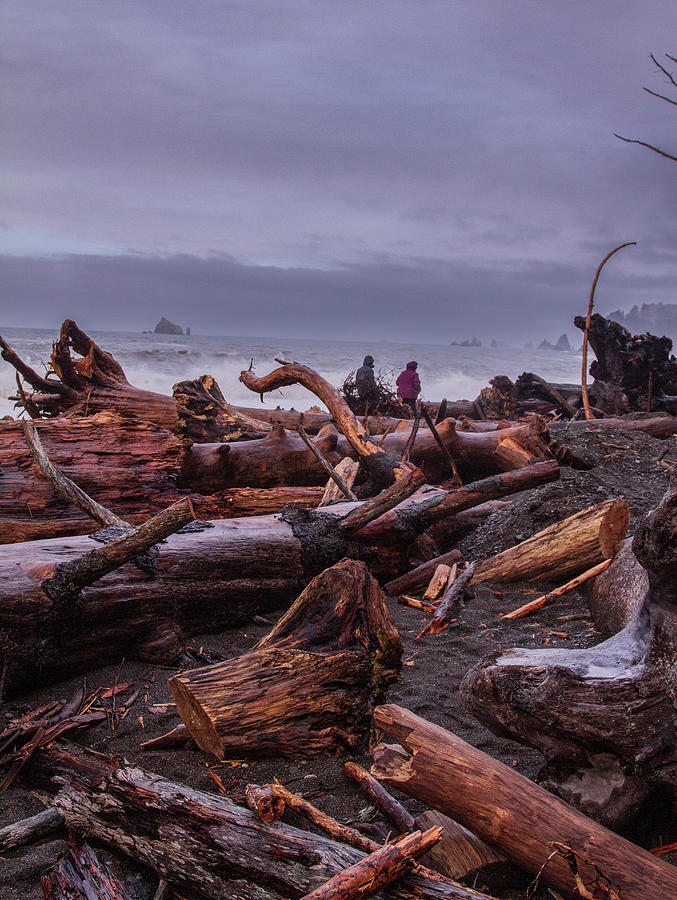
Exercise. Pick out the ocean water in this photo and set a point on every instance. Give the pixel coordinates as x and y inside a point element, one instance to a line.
<point>156,362</point>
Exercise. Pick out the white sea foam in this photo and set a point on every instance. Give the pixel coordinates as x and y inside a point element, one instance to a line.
<point>157,362</point>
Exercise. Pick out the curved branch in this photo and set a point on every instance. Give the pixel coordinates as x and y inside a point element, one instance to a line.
<point>294,373</point>
<point>584,362</point>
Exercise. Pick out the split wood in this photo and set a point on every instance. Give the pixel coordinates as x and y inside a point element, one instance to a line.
<point>558,592</point>
<point>381,868</point>
<point>347,469</point>
<point>451,597</point>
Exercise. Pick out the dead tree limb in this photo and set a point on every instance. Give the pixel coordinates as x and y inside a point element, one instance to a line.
<point>379,869</point>
<point>80,875</point>
<point>335,476</point>
<point>63,485</point>
<point>584,360</point>
<point>70,577</point>
<point>30,830</point>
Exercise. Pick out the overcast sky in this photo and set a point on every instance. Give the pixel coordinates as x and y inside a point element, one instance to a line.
<point>417,169</point>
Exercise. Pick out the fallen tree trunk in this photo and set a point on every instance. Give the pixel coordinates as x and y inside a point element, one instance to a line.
<point>309,687</point>
<point>603,717</point>
<point>202,841</point>
<point>617,595</point>
<point>30,830</point>
<point>433,505</point>
<point>251,565</point>
<point>509,811</point>
<point>573,545</point>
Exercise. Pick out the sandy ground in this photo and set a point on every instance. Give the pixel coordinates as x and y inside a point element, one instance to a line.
<point>624,464</point>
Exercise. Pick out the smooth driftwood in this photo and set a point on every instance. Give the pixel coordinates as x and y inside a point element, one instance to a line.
<point>309,687</point>
<point>202,841</point>
<point>30,830</point>
<point>616,596</point>
<point>379,869</point>
<point>605,718</point>
<point>660,427</point>
<point>80,875</point>
<point>509,811</point>
<point>566,548</point>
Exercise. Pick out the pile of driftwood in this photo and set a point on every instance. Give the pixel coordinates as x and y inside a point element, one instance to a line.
<point>131,521</point>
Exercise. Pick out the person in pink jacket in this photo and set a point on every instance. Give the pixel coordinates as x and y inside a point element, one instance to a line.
<point>409,384</point>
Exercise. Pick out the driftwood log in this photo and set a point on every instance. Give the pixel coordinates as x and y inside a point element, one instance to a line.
<point>217,575</point>
<point>605,718</point>
<point>202,841</point>
<point>309,687</point>
<point>80,875</point>
<point>511,812</point>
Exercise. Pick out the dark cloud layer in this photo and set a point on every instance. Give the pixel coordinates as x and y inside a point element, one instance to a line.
<point>322,153</point>
<point>424,300</point>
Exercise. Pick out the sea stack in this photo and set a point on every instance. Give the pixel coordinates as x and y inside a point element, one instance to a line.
<point>164,326</point>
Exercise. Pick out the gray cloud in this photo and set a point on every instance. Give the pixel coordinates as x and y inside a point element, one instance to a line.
<point>337,144</point>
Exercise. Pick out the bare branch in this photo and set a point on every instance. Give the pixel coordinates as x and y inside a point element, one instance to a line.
<point>660,96</point>
<point>649,146</point>
<point>663,69</point>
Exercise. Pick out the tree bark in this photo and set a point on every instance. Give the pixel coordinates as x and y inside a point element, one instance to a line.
<point>200,841</point>
<point>81,876</point>
<point>443,771</point>
<point>566,548</point>
<point>604,717</point>
<point>379,869</point>
<point>309,687</point>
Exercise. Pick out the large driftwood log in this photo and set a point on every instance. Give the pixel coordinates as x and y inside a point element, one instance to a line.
<point>202,841</point>
<point>573,545</point>
<point>309,687</point>
<point>630,372</point>
<point>511,812</point>
<point>605,718</point>
<point>217,577</point>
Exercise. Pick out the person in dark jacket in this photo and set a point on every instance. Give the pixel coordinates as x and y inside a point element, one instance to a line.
<point>409,384</point>
<point>365,382</point>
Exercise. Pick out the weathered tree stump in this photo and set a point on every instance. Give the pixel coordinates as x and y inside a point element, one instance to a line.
<point>309,687</point>
<point>605,718</point>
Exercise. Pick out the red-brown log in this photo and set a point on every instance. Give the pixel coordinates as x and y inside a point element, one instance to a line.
<point>508,810</point>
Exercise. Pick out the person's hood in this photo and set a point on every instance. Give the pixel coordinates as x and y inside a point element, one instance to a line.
<point>368,361</point>
<point>412,365</point>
